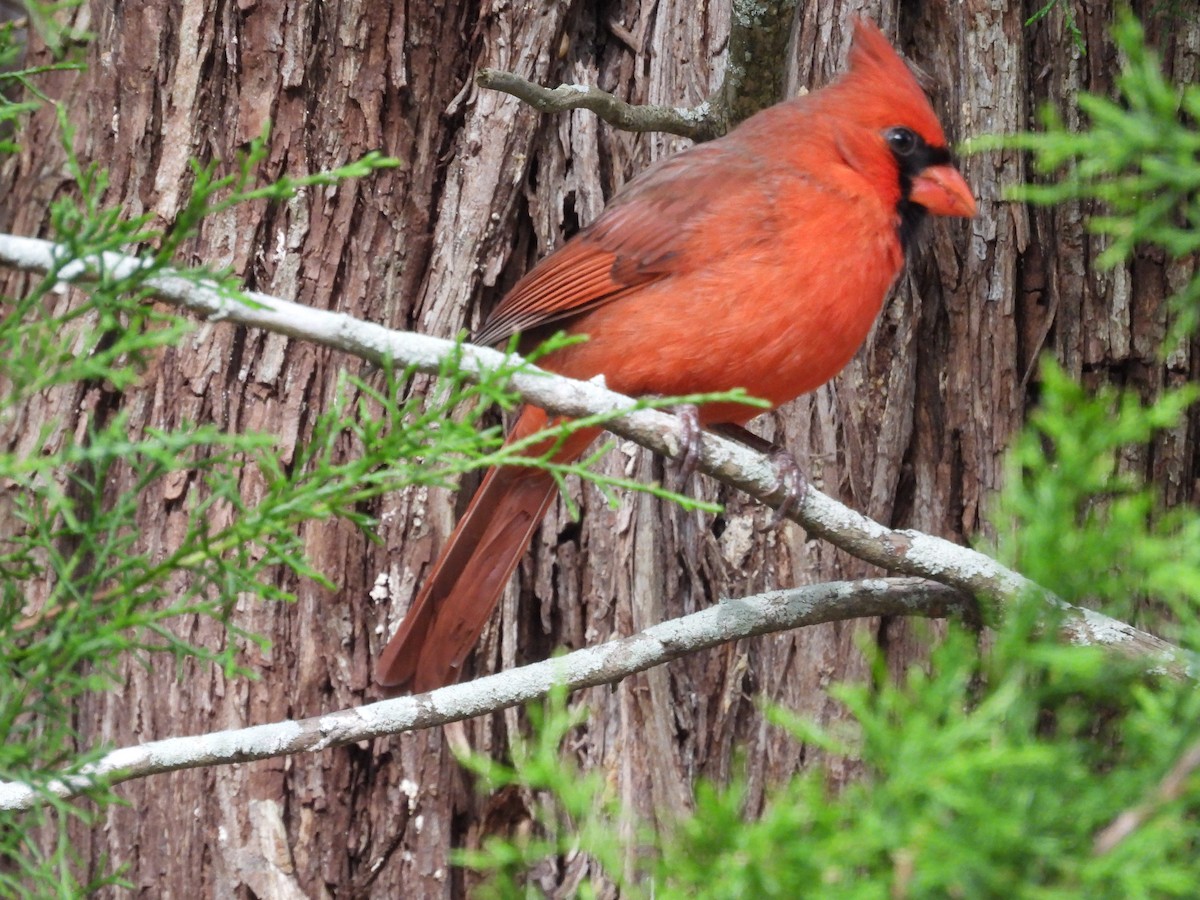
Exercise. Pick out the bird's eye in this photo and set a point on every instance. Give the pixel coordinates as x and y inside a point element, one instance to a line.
<point>902,140</point>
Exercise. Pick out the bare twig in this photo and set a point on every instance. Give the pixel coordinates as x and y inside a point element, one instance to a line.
<point>1171,788</point>
<point>698,124</point>
<point>759,36</point>
<point>606,663</point>
<point>625,36</point>
<point>905,552</point>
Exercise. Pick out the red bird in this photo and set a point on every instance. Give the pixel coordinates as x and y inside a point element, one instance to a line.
<point>759,260</point>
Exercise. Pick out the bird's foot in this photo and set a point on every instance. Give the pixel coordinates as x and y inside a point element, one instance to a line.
<point>689,441</point>
<point>787,470</point>
<point>795,485</point>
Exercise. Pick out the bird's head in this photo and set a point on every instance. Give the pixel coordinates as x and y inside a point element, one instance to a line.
<point>890,133</point>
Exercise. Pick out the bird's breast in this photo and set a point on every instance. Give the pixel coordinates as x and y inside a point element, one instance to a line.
<point>778,315</point>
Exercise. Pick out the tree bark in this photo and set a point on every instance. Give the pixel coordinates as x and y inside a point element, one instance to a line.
<point>912,433</point>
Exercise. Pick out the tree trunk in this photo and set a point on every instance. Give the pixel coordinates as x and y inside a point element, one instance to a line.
<point>912,433</point>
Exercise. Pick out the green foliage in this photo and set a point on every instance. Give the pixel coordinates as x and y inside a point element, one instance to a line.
<point>1068,14</point>
<point>986,774</point>
<point>80,589</point>
<point>1070,517</point>
<point>578,812</point>
<point>46,19</point>
<point>1137,157</point>
<point>1066,499</point>
<point>15,80</point>
<point>985,777</point>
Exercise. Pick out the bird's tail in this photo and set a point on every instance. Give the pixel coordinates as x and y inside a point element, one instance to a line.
<point>457,599</point>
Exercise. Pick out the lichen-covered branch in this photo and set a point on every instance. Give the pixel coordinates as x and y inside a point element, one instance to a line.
<point>605,663</point>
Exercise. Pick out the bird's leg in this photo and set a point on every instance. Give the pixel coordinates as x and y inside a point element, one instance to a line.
<point>787,470</point>
<point>689,441</point>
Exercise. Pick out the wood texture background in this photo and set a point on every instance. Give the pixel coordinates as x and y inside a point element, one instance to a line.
<point>913,433</point>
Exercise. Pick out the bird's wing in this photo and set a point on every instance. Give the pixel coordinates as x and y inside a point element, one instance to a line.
<point>639,238</point>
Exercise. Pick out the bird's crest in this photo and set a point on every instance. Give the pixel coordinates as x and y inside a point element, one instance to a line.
<point>885,91</point>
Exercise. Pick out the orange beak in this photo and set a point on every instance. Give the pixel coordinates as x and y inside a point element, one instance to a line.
<point>942,191</point>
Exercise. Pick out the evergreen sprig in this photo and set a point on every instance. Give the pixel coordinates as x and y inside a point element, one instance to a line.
<point>986,773</point>
<point>1136,157</point>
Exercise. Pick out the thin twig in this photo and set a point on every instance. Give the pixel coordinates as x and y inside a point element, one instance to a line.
<point>698,123</point>
<point>758,42</point>
<point>1170,788</point>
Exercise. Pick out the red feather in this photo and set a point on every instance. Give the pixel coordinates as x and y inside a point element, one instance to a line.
<point>759,260</point>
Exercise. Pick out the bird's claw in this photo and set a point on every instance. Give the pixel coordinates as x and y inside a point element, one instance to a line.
<point>688,457</point>
<point>795,485</point>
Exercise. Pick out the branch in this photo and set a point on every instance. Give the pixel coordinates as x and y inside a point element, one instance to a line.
<point>905,552</point>
<point>1171,788</point>
<point>698,123</point>
<point>759,36</point>
<point>605,663</point>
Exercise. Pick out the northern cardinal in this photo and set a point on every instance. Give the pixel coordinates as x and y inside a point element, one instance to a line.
<point>758,260</point>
